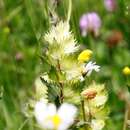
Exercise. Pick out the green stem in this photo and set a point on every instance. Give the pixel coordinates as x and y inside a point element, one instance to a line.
<point>23,124</point>
<point>125,117</point>
<point>69,11</point>
<point>90,116</point>
<point>84,115</point>
<point>60,83</point>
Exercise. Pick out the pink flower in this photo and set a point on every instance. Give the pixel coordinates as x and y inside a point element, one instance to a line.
<point>90,22</point>
<point>110,5</point>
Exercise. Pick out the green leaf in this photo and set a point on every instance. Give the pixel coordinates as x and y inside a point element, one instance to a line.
<point>53,91</point>
<point>1,92</point>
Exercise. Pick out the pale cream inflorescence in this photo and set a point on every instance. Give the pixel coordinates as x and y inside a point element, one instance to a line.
<point>61,47</point>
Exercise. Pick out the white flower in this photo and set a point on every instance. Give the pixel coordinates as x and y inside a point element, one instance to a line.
<point>89,67</point>
<point>50,118</point>
<point>97,124</point>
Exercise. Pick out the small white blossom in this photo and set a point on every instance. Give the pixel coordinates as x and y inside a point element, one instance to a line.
<point>50,118</point>
<point>89,67</point>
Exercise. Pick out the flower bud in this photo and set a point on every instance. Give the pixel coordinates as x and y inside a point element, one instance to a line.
<point>126,70</point>
<point>90,22</point>
<point>89,93</point>
<point>85,55</point>
<point>110,5</point>
<point>115,38</point>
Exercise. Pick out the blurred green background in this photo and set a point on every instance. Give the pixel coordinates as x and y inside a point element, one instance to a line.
<point>24,22</point>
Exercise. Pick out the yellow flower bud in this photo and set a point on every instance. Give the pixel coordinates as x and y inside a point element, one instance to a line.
<point>126,70</point>
<point>85,55</point>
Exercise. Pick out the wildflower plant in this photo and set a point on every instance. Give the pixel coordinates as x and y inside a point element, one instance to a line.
<point>63,97</point>
<point>90,22</point>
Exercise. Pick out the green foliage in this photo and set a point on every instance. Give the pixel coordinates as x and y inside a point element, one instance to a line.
<point>22,26</point>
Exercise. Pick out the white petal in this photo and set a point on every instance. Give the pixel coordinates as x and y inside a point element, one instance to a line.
<point>42,113</point>
<point>89,67</point>
<point>51,109</point>
<point>39,111</point>
<point>81,78</point>
<point>67,113</point>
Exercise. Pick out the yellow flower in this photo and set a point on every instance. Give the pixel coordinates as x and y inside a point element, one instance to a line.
<point>85,55</point>
<point>126,70</point>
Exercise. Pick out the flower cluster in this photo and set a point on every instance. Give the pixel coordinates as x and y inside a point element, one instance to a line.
<point>95,97</point>
<point>67,66</point>
<point>61,51</point>
<point>90,22</point>
<point>110,5</point>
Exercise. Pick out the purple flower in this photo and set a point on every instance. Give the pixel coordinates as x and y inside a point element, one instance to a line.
<point>110,5</point>
<point>90,22</point>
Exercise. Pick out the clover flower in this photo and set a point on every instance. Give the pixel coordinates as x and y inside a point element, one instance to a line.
<point>95,98</point>
<point>60,41</point>
<point>96,94</point>
<point>85,55</point>
<point>90,22</point>
<point>114,38</point>
<point>50,118</point>
<point>110,5</point>
<point>126,70</point>
<point>89,67</point>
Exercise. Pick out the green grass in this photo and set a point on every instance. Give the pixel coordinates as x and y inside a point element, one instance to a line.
<point>28,21</point>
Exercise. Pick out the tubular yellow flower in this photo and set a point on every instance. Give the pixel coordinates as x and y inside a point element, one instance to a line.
<point>126,70</point>
<point>85,55</point>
